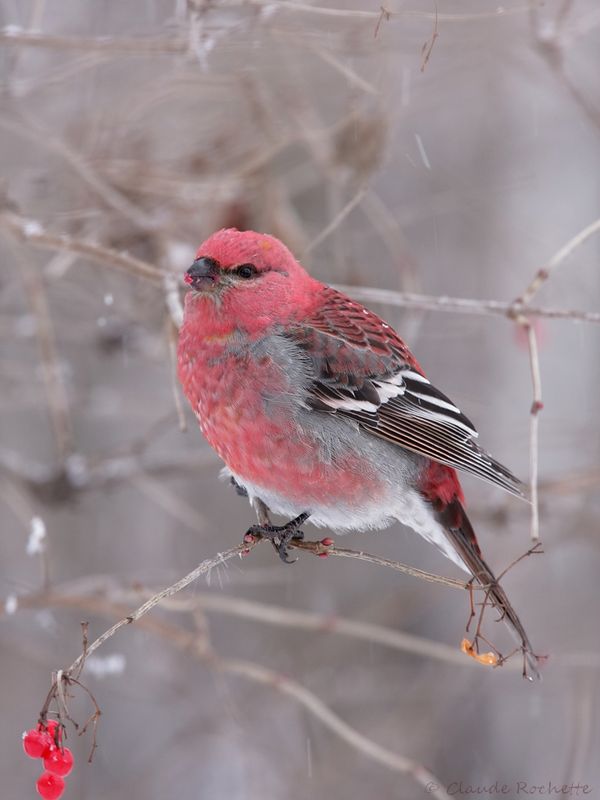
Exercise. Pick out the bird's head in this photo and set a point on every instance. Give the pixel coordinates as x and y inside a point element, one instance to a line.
<point>248,276</point>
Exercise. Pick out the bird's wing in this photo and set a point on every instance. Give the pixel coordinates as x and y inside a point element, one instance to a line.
<point>363,370</point>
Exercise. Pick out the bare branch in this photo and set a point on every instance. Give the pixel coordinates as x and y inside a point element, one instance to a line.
<point>427,48</point>
<point>32,232</point>
<point>325,715</point>
<point>536,407</point>
<point>557,259</point>
<point>339,218</point>
<point>331,550</point>
<point>14,35</point>
<point>202,569</point>
<point>459,305</point>
<point>197,647</point>
<point>107,193</point>
<point>56,392</point>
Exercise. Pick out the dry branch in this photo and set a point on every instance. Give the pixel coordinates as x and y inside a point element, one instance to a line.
<point>33,232</point>
<point>16,36</point>
<point>460,305</point>
<point>197,647</point>
<point>543,274</point>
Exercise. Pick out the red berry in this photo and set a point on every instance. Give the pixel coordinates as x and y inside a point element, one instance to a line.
<point>52,726</point>
<point>53,730</point>
<point>59,762</point>
<point>327,542</point>
<point>49,786</point>
<point>36,743</point>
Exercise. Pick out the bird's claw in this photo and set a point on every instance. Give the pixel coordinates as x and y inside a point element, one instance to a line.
<point>280,535</point>
<point>239,489</point>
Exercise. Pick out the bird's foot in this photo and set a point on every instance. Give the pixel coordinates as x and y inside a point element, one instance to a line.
<point>239,489</point>
<point>279,535</point>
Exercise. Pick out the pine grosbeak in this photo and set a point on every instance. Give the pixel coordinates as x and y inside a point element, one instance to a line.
<point>320,411</point>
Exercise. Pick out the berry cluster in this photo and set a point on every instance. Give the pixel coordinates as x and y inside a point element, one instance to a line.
<point>45,742</point>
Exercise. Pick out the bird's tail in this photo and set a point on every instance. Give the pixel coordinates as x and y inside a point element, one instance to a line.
<point>461,535</point>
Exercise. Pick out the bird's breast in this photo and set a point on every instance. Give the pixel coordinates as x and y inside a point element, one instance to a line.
<point>249,399</point>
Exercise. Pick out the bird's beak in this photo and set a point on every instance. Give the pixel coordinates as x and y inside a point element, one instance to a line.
<point>202,274</point>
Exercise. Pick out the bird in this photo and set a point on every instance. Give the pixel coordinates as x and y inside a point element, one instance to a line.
<point>320,412</point>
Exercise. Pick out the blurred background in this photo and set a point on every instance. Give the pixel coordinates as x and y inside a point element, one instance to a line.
<point>445,150</point>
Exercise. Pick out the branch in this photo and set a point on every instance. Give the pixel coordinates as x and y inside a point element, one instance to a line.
<point>15,35</point>
<point>56,392</point>
<point>197,648</point>
<point>521,316</point>
<point>536,407</point>
<point>485,308</point>
<point>32,232</point>
<point>338,219</point>
<point>317,548</point>
<point>202,569</point>
<point>557,259</point>
<point>242,549</point>
<point>320,549</point>
<point>105,191</point>
<point>324,714</point>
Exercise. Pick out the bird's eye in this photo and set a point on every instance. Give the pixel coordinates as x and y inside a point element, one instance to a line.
<point>246,271</point>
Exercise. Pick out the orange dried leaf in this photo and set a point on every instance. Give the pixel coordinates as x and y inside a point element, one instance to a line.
<point>489,659</point>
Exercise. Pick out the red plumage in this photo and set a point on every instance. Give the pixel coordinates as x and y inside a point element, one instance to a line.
<point>318,407</point>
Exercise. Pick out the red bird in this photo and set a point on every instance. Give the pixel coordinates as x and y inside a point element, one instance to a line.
<point>319,410</point>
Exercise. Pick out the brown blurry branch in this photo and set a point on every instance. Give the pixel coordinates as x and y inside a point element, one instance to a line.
<point>32,232</point>
<point>14,35</point>
<point>56,392</point>
<point>20,37</point>
<point>205,567</point>
<point>551,42</point>
<point>107,193</point>
<point>325,715</point>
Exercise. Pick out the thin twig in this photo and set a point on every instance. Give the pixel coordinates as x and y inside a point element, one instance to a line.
<point>280,616</point>
<point>202,569</point>
<point>313,704</point>
<point>557,259</point>
<point>196,647</point>
<point>332,550</point>
<point>171,332</point>
<point>339,218</point>
<point>56,392</point>
<point>111,196</point>
<point>460,305</point>
<point>521,317</point>
<point>429,44</point>
<point>384,14</point>
<point>172,298</point>
<point>536,406</point>
<point>33,232</point>
<point>14,35</point>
